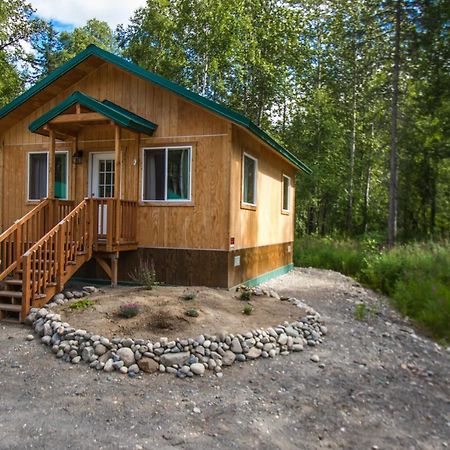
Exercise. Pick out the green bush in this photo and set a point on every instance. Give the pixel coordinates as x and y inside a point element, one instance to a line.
<point>325,253</point>
<point>81,304</point>
<point>415,276</point>
<point>248,309</point>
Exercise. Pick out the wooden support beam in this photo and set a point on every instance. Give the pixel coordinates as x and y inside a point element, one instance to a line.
<point>111,271</point>
<point>78,118</point>
<point>51,164</point>
<point>62,135</point>
<point>117,180</point>
<point>114,269</point>
<point>102,263</point>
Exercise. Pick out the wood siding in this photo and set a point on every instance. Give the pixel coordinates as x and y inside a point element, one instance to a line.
<point>265,224</point>
<point>190,243</point>
<point>201,224</point>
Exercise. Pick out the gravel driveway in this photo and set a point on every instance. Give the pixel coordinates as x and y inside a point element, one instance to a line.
<point>378,385</point>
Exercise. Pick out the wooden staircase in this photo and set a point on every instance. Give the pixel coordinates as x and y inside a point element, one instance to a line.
<point>34,269</point>
<point>41,251</point>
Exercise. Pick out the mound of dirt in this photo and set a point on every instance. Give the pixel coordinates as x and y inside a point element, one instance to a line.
<point>162,312</point>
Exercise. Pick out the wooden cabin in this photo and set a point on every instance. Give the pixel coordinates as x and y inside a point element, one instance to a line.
<point>104,164</point>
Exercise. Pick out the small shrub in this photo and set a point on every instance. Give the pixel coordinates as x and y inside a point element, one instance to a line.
<point>246,295</point>
<point>189,296</point>
<point>81,304</point>
<point>144,273</point>
<point>191,312</point>
<point>129,310</point>
<point>248,309</point>
<point>360,312</point>
<point>163,320</point>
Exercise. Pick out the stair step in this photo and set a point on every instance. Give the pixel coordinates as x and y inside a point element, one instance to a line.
<point>8,307</point>
<point>13,282</point>
<point>11,294</point>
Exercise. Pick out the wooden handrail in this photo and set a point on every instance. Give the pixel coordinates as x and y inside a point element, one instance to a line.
<point>23,233</point>
<point>46,262</point>
<point>19,236</point>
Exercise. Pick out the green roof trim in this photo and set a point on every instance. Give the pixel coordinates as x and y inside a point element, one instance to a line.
<point>130,67</point>
<point>117,114</point>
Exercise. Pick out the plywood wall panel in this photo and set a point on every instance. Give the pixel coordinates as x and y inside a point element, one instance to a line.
<point>266,224</point>
<point>202,225</point>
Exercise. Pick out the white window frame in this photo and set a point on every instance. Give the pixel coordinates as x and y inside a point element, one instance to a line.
<point>288,194</point>
<point>166,149</point>
<point>46,152</point>
<point>255,178</point>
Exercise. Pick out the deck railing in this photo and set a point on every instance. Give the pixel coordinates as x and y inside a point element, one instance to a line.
<point>47,262</point>
<point>22,235</point>
<point>109,227</point>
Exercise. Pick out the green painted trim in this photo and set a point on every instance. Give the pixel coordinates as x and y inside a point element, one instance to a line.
<point>268,276</point>
<point>119,115</point>
<point>128,66</point>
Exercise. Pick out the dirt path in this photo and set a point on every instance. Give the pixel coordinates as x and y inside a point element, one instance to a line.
<point>381,387</point>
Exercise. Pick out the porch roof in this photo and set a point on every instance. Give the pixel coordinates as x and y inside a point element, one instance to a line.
<point>105,110</point>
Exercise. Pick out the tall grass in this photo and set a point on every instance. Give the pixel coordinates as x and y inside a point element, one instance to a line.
<point>415,276</point>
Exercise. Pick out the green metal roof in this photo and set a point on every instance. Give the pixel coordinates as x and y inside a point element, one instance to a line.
<point>117,114</point>
<point>130,67</point>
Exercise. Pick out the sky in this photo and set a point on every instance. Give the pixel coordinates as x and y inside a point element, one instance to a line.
<point>67,14</point>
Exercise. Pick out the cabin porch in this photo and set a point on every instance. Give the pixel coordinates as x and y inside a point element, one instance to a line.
<point>41,251</point>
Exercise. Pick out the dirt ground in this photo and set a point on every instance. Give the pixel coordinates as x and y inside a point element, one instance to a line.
<point>162,312</point>
<point>383,385</point>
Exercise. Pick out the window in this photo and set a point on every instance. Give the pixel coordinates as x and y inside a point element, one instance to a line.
<point>38,175</point>
<point>249,173</point>
<point>61,175</point>
<point>167,174</point>
<point>286,193</point>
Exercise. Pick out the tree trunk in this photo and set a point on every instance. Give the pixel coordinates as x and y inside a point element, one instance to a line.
<point>392,221</point>
<point>367,187</point>
<point>352,164</point>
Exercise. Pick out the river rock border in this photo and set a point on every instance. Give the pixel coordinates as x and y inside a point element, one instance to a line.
<point>181,357</point>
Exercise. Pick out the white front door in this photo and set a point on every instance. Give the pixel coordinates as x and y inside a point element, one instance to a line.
<point>102,175</point>
<point>101,184</point>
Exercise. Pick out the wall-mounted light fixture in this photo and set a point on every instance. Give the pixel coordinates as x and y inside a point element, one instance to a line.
<point>77,157</point>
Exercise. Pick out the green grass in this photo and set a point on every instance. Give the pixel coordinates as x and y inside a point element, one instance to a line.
<point>415,276</point>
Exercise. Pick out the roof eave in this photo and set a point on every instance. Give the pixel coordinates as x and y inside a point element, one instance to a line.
<point>130,67</point>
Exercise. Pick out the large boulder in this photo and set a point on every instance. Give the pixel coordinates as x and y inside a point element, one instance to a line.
<point>126,355</point>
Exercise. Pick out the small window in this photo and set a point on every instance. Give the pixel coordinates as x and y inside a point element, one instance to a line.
<point>37,176</point>
<point>286,193</point>
<point>167,174</point>
<point>249,174</point>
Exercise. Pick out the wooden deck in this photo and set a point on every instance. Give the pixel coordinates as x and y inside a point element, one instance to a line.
<point>41,251</point>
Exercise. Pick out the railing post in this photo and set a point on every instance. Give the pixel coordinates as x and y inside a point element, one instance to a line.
<point>26,286</point>
<point>90,226</point>
<point>110,226</point>
<point>61,256</point>
<point>18,248</point>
